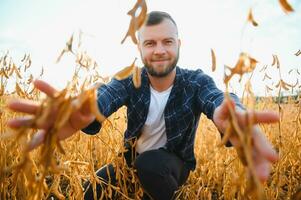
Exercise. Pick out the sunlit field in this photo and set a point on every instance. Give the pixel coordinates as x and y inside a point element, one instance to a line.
<point>219,173</point>
<point>58,170</point>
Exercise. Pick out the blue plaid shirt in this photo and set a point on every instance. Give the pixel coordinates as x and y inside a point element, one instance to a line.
<point>193,93</point>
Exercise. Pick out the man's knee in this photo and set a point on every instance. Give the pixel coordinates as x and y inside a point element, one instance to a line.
<point>154,174</point>
<point>151,162</point>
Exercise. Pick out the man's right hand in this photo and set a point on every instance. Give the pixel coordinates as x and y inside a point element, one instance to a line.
<point>79,118</point>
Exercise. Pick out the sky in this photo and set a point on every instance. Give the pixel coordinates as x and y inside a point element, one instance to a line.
<point>42,27</point>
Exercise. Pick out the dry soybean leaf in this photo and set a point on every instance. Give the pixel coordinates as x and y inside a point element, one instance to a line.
<point>245,64</point>
<point>60,56</point>
<point>32,90</point>
<point>18,73</point>
<point>297,82</point>
<point>94,106</point>
<point>19,90</point>
<point>44,112</point>
<point>248,88</point>
<point>42,72</point>
<point>277,63</point>
<point>287,84</point>
<point>126,72</point>
<point>298,53</point>
<point>229,131</point>
<point>69,43</point>
<point>251,18</point>
<point>274,60</point>
<point>28,64</point>
<point>3,72</point>
<point>23,59</point>
<point>266,76</point>
<point>136,22</point>
<point>10,73</point>
<point>263,68</point>
<point>241,155</point>
<point>55,187</point>
<point>2,90</point>
<point>286,7</point>
<point>68,48</point>
<point>283,84</point>
<point>213,60</point>
<point>277,85</point>
<point>268,88</point>
<point>137,77</point>
<point>84,60</point>
<point>142,16</point>
<point>30,79</point>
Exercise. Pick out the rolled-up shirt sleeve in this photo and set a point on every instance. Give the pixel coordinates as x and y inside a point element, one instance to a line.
<point>110,98</point>
<point>209,97</point>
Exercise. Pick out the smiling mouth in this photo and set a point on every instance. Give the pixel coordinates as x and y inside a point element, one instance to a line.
<point>159,60</point>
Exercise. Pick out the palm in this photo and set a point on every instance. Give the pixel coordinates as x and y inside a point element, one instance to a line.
<point>78,118</point>
<point>262,152</point>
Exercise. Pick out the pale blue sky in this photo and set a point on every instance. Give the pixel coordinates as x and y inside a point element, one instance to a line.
<point>41,27</point>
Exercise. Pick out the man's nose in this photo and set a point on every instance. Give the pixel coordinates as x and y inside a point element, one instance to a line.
<point>160,49</point>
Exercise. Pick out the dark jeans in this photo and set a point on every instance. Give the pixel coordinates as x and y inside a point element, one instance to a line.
<point>160,173</point>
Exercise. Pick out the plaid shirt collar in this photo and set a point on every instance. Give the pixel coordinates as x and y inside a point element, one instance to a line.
<point>179,83</point>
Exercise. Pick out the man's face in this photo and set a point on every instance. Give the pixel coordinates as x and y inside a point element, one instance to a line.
<point>159,48</point>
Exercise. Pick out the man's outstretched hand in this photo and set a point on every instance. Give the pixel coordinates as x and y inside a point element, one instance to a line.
<point>79,118</point>
<point>263,153</point>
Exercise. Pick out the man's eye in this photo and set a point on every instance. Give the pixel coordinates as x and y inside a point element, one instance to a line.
<point>148,44</point>
<point>168,42</point>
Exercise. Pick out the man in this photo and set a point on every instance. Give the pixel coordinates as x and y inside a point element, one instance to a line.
<point>163,114</point>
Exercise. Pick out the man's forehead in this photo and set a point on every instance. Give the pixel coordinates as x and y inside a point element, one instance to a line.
<point>164,29</point>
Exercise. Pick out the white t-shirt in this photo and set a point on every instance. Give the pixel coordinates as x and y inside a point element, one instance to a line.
<point>153,134</point>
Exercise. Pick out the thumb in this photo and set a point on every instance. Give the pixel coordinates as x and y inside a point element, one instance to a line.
<point>224,108</point>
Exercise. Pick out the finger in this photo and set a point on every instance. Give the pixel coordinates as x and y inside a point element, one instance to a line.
<point>225,107</point>
<point>262,168</point>
<point>45,87</point>
<point>266,117</point>
<point>24,106</point>
<point>257,117</point>
<point>263,146</point>
<point>36,140</point>
<point>27,121</point>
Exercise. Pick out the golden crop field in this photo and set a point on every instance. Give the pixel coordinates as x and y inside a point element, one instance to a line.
<point>219,173</point>
<point>58,170</point>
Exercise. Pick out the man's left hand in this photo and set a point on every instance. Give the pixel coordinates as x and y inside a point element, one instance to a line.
<point>263,153</point>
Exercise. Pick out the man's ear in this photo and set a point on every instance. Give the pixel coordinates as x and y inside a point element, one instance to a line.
<point>179,41</point>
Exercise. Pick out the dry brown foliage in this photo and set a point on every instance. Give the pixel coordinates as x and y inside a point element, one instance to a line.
<point>251,18</point>
<point>286,7</point>
<point>136,22</point>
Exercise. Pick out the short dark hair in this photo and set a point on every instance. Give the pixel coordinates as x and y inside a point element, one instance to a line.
<point>156,17</point>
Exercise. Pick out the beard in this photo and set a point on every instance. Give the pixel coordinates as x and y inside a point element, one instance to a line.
<point>152,71</point>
